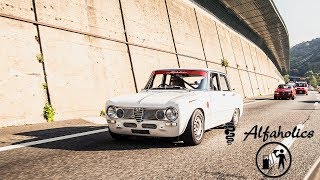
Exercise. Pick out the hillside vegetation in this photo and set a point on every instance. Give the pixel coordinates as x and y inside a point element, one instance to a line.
<point>305,57</point>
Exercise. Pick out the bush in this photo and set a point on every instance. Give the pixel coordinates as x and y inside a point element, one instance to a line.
<point>102,113</point>
<point>48,112</point>
<point>40,58</point>
<point>286,78</point>
<point>224,62</point>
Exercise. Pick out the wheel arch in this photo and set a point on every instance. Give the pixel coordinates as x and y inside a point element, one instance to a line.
<point>185,126</point>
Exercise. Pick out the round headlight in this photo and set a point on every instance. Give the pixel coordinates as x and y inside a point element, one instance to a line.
<point>172,113</point>
<point>120,113</point>
<point>111,112</point>
<point>160,114</point>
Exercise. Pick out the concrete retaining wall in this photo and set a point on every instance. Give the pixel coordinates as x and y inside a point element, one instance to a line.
<point>96,49</point>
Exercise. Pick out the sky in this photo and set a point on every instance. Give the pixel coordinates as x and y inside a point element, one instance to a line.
<point>302,18</point>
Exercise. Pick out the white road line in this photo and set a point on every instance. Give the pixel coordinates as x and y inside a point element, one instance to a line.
<point>16,146</point>
<point>312,169</point>
<point>254,102</point>
<point>287,142</point>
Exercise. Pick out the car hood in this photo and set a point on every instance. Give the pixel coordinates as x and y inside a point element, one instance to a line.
<point>153,98</point>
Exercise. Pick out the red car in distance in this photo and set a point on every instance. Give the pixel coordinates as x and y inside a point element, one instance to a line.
<point>302,88</point>
<point>285,91</point>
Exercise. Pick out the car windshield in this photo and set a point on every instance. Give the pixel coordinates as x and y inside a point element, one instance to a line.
<point>301,85</point>
<point>283,86</point>
<point>178,79</point>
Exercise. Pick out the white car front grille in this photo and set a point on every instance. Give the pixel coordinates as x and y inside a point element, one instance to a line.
<point>138,114</point>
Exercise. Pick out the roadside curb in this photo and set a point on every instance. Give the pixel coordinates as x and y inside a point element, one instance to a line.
<point>314,172</point>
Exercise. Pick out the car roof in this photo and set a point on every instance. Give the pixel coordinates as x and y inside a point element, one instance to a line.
<point>199,69</point>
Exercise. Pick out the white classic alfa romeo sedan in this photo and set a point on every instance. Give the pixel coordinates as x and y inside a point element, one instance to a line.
<point>176,103</point>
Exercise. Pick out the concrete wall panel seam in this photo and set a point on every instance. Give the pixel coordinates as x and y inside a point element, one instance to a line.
<point>128,48</point>
<point>247,67</point>
<point>254,67</point>
<point>174,43</point>
<point>204,53</point>
<point>220,44</point>
<point>41,52</point>
<point>235,58</point>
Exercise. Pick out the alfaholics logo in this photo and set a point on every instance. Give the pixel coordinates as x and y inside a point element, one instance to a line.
<point>229,131</point>
<point>265,134</point>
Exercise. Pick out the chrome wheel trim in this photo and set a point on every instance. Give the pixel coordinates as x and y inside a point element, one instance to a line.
<point>198,127</point>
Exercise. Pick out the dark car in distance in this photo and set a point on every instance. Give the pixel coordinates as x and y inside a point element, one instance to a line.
<point>285,91</point>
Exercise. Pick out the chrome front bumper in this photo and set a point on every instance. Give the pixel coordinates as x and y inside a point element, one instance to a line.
<point>152,128</point>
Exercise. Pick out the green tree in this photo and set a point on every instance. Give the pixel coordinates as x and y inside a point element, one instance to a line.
<point>308,74</point>
<point>286,78</point>
<point>313,81</point>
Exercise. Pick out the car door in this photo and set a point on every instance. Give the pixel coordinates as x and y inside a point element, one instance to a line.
<point>227,98</point>
<point>215,107</point>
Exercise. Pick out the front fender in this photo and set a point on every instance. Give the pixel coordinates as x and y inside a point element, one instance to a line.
<point>186,110</point>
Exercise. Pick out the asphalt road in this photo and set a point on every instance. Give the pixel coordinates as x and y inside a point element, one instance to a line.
<point>97,156</point>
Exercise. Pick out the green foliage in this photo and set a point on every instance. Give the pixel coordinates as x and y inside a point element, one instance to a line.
<point>40,58</point>
<point>44,86</point>
<point>224,62</point>
<point>48,112</point>
<point>305,57</point>
<point>286,78</point>
<point>102,113</point>
<point>313,81</point>
<point>312,78</point>
<point>308,74</point>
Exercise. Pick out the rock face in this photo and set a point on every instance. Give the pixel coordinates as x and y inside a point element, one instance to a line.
<point>304,57</point>
<point>96,49</point>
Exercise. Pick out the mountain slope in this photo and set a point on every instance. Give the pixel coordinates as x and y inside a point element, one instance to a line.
<point>304,57</point>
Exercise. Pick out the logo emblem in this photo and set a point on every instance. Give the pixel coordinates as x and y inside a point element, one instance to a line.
<point>138,114</point>
<point>273,159</point>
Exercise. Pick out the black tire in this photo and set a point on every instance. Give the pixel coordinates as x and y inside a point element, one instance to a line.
<point>189,136</point>
<point>275,98</point>
<point>293,97</point>
<point>118,137</point>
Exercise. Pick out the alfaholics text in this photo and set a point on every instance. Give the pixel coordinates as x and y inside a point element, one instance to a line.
<point>257,132</point>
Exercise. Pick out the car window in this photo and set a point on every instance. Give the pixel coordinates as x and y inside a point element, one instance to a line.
<point>178,80</point>
<point>214,82</point>
<point>283,86</point>
<point>224,83</point>
<point>157,81</point>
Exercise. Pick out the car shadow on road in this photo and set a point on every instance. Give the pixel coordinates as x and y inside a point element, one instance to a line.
<point>309,102</point>
<point>101,141</point>
<point>261,99</point>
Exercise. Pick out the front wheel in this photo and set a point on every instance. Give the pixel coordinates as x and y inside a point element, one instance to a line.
<point>193,134</point>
